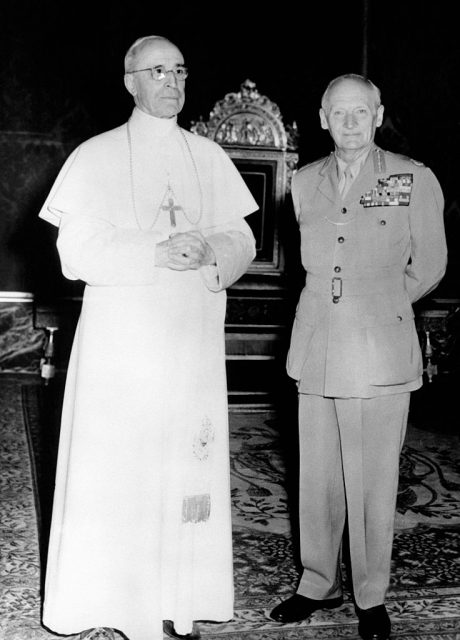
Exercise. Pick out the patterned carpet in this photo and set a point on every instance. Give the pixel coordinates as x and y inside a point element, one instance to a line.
<point>424,598</point>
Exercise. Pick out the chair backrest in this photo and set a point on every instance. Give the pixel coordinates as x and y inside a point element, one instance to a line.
<point>250,128</point>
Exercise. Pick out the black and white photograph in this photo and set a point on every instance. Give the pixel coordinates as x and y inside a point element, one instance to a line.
<point>229,320</point>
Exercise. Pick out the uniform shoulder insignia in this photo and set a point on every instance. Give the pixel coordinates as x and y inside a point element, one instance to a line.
<point>401,156</point>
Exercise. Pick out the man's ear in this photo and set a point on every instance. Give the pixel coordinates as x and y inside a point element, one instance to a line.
<point>379,118</point>
<point>322,117</point>
<point>129,83</point>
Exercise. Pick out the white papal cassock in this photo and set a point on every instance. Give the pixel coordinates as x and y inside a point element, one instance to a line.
<point>141,528</point>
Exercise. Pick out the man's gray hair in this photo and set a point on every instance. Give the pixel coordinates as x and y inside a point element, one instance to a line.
<point>356,78</point>
<point>136,47</point>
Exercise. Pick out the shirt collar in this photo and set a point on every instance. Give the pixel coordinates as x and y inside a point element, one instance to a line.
<point>355,166</point>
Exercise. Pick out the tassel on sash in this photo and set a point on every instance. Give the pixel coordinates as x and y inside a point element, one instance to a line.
<point>196,506</point>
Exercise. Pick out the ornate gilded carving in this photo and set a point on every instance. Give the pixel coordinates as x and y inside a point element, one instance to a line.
<point>247,118</point>
<point>250,128</point>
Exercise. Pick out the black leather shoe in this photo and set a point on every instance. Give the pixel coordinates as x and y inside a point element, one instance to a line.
<point>168,628</point>
<point>374,623</point>
<point>299,607</point>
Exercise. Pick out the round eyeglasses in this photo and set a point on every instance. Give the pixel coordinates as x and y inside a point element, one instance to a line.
<point>159,72</point>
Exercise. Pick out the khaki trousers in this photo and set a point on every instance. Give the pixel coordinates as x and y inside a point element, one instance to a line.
<point>349,465</point>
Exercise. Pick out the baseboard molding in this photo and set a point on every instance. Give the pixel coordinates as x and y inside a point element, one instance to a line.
<point>16,296</point>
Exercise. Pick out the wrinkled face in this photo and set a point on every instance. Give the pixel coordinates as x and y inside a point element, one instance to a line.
<point>351,115</point>
<point>160,98</point>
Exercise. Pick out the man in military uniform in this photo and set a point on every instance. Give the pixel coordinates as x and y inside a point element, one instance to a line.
<point>372,243</point>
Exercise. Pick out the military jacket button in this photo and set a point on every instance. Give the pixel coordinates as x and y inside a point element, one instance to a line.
<point>337,269</point>
<point>344,209</point>
<point>340,239</point>
<point>383,222</point>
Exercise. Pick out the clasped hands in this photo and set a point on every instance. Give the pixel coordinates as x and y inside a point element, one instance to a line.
<point>184,251</point>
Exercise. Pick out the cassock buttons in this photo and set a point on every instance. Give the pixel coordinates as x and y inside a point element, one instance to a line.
<point>340,239</point>
<point>337,269</point>
<point>343,209</point>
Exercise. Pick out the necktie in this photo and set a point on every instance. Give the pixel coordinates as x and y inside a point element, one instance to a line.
<point>345,181</point>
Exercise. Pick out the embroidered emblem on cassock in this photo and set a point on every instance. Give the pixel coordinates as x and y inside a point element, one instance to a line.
<point>203,440</point>
<point>390,192</point>
<point>197,507</point>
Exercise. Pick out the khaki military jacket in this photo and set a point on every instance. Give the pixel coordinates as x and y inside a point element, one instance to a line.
<point>367,258</point>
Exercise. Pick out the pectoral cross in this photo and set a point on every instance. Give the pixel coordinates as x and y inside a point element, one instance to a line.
<point>171,207</point>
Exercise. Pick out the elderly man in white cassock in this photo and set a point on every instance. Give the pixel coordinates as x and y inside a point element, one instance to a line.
<point>151,218</point>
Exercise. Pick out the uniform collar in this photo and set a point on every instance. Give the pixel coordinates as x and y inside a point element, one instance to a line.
<point>330,162</point>
<point>329,173</point>
<point>355,166</point>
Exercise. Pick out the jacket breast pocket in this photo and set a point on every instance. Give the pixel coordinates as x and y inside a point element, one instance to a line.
<point>394,355</point>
